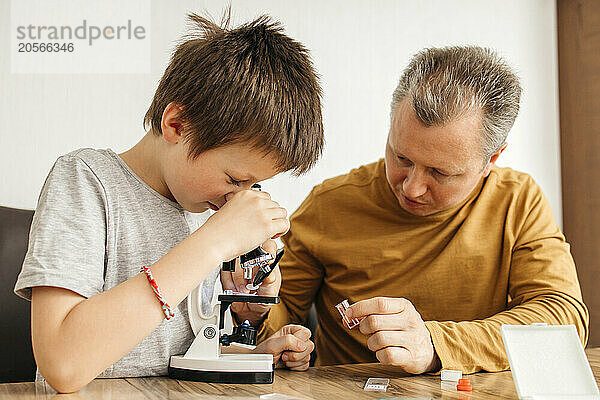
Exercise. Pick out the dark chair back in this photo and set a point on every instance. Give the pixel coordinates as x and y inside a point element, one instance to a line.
<point>16,358</point>
<point>312,323</point>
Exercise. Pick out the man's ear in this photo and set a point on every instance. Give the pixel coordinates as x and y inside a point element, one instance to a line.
<point>493,158</point>
<point>170,123</point>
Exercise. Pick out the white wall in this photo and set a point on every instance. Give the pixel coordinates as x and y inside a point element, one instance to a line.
<point>359,48</point>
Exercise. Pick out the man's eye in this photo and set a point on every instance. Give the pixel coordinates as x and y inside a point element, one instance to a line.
<point>439,173</point>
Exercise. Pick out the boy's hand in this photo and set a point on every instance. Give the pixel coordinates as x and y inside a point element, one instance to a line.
<point>290,346</point>
<point>397,333</point>
<point>245,221</point>
<point>235,281</point>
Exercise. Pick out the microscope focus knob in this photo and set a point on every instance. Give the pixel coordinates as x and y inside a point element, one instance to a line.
<point>210,332</point>
<point>243,334</point>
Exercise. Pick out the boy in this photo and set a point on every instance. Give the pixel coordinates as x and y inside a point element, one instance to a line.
<point>234,107</point>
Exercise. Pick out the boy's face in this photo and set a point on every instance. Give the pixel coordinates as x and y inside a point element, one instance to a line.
<point>212,178</point>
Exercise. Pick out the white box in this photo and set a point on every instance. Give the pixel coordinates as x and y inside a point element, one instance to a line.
<point>548,362</point>
<point>450,375</point>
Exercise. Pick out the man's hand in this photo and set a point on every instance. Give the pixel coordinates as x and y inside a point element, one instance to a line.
<point>290,346</point>
<point>254,313</point>
<point>397,333</point>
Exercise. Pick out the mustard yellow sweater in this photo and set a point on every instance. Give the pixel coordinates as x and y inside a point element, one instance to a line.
<point>497,258</point>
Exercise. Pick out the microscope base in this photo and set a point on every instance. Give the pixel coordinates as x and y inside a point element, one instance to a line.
<point>228,368</point>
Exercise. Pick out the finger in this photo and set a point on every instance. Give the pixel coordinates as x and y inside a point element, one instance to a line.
<point>279,344</point>
<point>274,204</point>
<point>271,285</point>
<point>279,228</point>
<point>298,365</point>
<point>227,280</point>
<point>258,308</point>
<point>272,288</point>
<point>257,193</point>
<point>238,278</point>
<point>298,355</point>
<point>247,194</point>
<point>302,367</point>
<point>382,339</point>
<point>270,246</point>
<point>274,277</point>
<point>383,322</point>
<point>266,195</point>
<point>276,213</point>
<point>398,356</point>
<point>378,305</point>
<point>299,331</point>
<point>237,308</point>
<point>281,211</point>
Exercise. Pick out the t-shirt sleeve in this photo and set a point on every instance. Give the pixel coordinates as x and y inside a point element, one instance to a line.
<point>67,240</point>
<point>543,287</point>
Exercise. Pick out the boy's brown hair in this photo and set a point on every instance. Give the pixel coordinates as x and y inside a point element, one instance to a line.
<point>248,84</point>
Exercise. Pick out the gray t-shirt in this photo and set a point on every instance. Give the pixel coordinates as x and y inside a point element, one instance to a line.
<point>95,225</point>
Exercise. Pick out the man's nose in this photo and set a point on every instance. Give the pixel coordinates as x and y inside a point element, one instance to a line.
<point>414,185</point>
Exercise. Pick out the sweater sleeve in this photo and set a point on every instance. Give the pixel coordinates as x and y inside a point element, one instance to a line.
<point>301,272</point>
<point>543,287</point>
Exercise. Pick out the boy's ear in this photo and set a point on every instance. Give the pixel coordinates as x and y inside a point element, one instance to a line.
<point>170,124</point>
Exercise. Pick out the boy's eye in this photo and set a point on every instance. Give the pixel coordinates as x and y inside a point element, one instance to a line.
<point>233,181</point>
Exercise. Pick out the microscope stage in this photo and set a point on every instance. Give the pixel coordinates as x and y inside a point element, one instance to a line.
<point>228,368</point>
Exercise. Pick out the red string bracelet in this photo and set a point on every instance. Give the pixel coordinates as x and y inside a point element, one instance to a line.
<point>169,313</point>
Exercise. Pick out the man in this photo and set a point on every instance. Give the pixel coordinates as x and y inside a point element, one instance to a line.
<point>436,246</point>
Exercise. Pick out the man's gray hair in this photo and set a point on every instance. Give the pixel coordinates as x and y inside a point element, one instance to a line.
<point>444,84</point>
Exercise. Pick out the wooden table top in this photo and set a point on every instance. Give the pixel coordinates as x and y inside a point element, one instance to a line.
<point>343,382</point>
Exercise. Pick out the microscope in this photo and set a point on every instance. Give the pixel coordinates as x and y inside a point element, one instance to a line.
<point>204,361</point>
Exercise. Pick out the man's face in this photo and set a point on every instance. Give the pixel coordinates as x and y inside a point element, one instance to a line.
<point>212,178</point>
<point>432,169</point>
